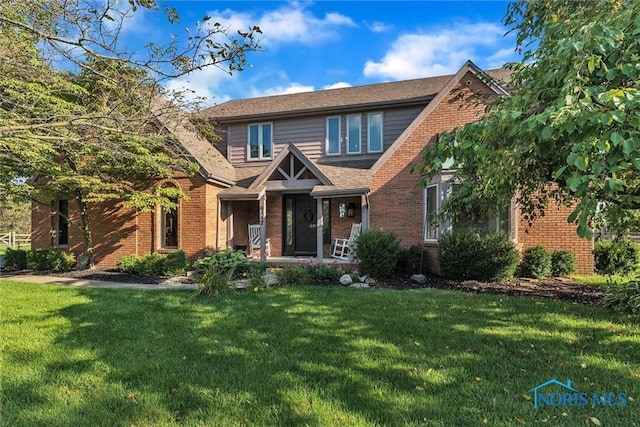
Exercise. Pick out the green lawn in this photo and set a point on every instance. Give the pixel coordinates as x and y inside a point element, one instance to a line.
<point>305,356</point>
<point>603,280</point>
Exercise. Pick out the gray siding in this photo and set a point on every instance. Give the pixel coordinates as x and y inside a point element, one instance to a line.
<point>308,134</point>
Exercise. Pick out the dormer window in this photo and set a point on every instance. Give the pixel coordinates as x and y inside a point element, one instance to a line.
<point>260,141</point>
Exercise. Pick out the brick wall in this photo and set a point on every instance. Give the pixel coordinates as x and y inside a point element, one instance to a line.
<point>397,201</point>
<point>118,231</point>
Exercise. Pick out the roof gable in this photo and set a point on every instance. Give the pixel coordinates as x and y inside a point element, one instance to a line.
<point>289,165</point>
<point>444,92</point>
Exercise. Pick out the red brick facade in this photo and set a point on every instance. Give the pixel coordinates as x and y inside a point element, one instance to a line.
<point>397,203</point>
<point>118,231</point>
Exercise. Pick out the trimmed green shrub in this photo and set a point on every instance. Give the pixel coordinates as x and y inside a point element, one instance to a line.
<point>250,268</point>
<point>464,254</point>
<point>129,264</point>
<point>412,260</point>
<point>378,252</point>
<point>225,260</point>
<point>294,275</point>
<point>171,264</point>
<point>624,297</point>
<point>15,259</point>
<point>616,256</point>
<point>175,263</point>
<point>536,263</point>
<point>326,273</point>
<point>563,263</point>
<point>50,260</point>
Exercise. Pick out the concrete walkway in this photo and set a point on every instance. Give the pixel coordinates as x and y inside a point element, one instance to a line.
<point>84,283</point>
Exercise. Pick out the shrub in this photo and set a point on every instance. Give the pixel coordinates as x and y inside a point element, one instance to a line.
<point>50,260</point>
<point>15,259</point>
<point>214,281</point>
<point>225,260</point>
<point>172,264</point>
<point>616,256</point>
<point>175,263</point>
<point>624,297</point>
<point>563,263</point>
<point>294,275</point>
<point>464,254</point>
<point>536,263</point>
<point>250,268</point>
<point>129,264</point>
<point>326,273</point>
<point>412,260</point>
<point>378,252</point>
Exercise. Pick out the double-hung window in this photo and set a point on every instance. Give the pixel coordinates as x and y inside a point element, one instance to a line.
<point>260,141</point>
<point>333,136</point>
<point>354,134</point>
<point>374,132</point>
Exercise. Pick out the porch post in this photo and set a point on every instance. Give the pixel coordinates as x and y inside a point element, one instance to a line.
<point>263,228</point>
<point>364,208</point>
<point>319,229</point>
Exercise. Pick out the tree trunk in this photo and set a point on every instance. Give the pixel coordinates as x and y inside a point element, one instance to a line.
<point>86,233</point>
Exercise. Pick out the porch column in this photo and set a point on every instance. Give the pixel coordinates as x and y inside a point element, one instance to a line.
<point>263,228</point>
<point>364,209</point>
<point>319,229</point>
<point>230,240</point>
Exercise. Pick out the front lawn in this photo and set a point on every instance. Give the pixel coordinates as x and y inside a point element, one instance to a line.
<point>306,356</point>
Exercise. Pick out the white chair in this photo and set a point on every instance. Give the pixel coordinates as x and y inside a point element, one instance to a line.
<point>346,248</point>
<point>254,240</point>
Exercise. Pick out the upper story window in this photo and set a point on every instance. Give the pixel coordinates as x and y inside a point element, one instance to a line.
<point>333,136</point>
<point>354,134</point>
<point>374,133</point>
<point>62,223</point>
<point>260,141</point>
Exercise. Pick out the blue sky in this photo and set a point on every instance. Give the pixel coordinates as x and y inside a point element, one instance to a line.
<point>313,45</point>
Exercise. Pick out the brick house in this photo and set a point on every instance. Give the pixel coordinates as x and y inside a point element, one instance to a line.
<point>306,167</point>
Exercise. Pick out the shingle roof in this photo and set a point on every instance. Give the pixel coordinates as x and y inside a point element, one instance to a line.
<point>210,159</point>
<point>405,91</point>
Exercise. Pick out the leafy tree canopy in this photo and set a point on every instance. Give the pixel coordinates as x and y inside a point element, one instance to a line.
<point>572,121</point>
<point>103,132</point>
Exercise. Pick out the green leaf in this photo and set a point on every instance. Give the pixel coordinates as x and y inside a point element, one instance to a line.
<point>616,138</point>
<point>581,163</point>
<point>629,146</point>
<point>574,181</point>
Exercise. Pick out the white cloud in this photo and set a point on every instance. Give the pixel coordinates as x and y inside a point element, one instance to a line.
<point>288,24</point>
<point>424,54</point>
<point>337,85</point>
<point>379,27</point>
<point>281,90</point>
<point>210,83</point>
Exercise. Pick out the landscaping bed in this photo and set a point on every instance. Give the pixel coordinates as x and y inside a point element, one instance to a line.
<point>556,288</point>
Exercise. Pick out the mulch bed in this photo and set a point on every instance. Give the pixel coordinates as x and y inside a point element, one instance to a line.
<point>554,288</point>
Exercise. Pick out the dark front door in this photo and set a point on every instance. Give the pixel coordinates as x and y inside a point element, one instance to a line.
<point>300,225</point>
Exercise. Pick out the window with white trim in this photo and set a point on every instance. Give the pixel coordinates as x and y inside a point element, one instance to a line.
<point>333,136</point>
<point>430,210</point>
<point>436,194</point>
<point>374,133</point>
<point>260,141</point>
<point>354,134</point>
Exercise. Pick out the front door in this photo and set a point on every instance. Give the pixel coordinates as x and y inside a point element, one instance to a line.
<point>300,235</point>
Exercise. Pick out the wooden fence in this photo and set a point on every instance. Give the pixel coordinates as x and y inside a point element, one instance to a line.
<point>15,240</point>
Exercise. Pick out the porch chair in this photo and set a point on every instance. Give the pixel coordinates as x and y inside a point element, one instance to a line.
<point>254,240</point>
<point>346,248</point>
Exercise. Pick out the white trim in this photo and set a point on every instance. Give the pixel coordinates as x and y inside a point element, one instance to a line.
<point>369,150</point>
<point>260,141</point>
<point>326,139</point>
<point>425,210</point>
<point>359,116</point>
